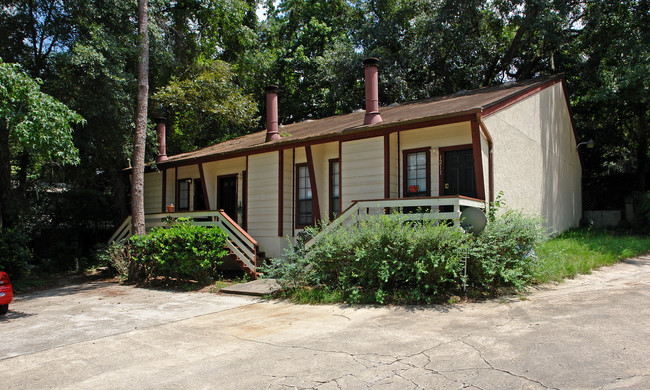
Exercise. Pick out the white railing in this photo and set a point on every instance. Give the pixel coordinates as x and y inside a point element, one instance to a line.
<point>122,232</point>
<point>240,243</point>
<point>425,208</point>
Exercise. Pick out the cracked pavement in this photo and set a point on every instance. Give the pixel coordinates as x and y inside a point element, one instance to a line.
<point>591,332</point>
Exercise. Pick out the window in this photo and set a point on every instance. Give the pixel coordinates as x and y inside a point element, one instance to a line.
<point>303,189</point>
<point>335,196</point>
<point>183,202</point>
<point>417,168</point>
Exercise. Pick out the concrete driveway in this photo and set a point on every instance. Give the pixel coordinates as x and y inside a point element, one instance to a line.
<point>588,333</point>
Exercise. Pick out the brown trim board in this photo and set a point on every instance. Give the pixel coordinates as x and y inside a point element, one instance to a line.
<point>340,178</point>
<point>312,183</point>
<point>205,188</point>
<point>164,191</point>
<point>508,101</point>
<point>176,186</point>
<point>245,195</point>
<point>280,192</point>
<point>478,160</point>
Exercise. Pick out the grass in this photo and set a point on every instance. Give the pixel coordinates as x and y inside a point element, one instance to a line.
<point>579,251</point>
<point>571,253</point>
<point>309,295</point>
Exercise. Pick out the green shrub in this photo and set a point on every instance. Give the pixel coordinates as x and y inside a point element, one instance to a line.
<point>116,255</point>
<point>182,251</point>
<point>384,259</point>
<point>391,259</point>
<point>503,254</point>
<point>15,254</point>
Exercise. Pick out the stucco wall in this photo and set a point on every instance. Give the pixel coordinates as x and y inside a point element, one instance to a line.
<point>535,160</point>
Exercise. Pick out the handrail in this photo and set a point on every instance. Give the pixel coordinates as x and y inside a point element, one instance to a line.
<point>237,227</point>
<point>381,204</point>
<point>122,232</point>
<point>238,241</point>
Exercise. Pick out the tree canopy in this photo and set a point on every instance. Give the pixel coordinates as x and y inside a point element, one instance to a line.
<point>33,125</point>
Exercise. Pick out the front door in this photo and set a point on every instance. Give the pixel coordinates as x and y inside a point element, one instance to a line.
<point>227,195</point>
<point>199,198</point>
<point>459,173</point>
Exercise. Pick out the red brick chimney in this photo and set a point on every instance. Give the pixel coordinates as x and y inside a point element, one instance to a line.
<point>371,66</point>
<point>272,133</point>
<point>162,148</point>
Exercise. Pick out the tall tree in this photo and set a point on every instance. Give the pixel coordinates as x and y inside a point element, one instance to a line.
<point>612,90</point>
<point>206,106</point>
<point>139,139</point>
<point>31,121</point>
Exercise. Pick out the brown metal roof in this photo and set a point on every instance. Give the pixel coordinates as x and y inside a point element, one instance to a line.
<point>458,104</point>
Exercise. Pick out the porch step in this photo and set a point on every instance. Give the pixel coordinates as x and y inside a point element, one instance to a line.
<point>257,287</point>
<point>243,266</point>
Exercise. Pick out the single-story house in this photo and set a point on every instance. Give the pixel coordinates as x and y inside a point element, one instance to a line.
<point>517,138</point>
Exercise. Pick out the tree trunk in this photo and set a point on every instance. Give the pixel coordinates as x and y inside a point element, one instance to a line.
<point>137,184</point>
<point>642,152</point>
<point>5,170</point>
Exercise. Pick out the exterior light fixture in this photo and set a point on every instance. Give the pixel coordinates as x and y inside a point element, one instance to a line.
<point>590,144</point>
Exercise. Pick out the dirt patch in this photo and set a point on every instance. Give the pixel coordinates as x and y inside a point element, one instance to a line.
<point>45,282</point>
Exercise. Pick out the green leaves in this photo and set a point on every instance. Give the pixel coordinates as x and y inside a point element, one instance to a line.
<point>183,251</point>
<point>37,123</point>
<point>206,105</point>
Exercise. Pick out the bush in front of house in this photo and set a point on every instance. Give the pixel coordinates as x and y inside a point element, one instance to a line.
<point>182,250</point>
<point>390,259</point>
<point>116,255</point>
<point>503,254</point>
<point>384,259</point>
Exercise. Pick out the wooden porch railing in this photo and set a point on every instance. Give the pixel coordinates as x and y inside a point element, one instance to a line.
<point>363,209</point>
<point>241,244</point>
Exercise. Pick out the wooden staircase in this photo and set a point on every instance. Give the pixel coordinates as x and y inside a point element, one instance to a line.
<point>243,247</point>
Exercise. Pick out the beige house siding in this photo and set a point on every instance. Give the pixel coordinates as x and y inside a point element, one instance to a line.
<point>152,192</point>
<point>535,161</point>
<point>170,193</point>
<point>287,193</point>
<point>394,165</point>
<point>362,170</point>
<point>263,174</point>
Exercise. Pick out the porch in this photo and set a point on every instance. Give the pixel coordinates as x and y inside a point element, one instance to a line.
<point>245,249</point>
